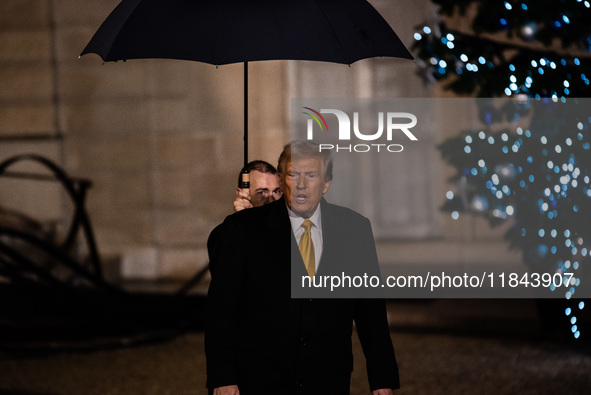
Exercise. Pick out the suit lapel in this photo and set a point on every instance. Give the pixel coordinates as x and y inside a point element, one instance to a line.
<point>279,227</point>
<point>298,269</point>
<point>328,239</point>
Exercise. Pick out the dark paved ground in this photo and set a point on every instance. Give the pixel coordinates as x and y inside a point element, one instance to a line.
<point>430,363</point>
<point>443,347</point>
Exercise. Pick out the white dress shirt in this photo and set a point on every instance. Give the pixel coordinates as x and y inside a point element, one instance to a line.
<point>298,231</point>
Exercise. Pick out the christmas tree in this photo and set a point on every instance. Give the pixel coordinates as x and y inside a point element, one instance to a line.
<point>539,177</point>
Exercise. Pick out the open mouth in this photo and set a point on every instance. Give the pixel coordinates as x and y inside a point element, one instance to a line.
<point>300,199</point>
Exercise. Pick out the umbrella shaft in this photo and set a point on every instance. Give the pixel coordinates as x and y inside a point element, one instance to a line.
<point>245,113</point>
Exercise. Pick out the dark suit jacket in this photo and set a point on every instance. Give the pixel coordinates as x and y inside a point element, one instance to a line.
<point>261,339</point>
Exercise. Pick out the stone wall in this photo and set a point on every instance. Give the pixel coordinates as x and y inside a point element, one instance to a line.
<point>161,140</point>
<point>28,114</point>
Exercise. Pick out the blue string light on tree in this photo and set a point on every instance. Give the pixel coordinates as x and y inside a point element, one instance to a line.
<point>537,71</point>
<point>540,180</point>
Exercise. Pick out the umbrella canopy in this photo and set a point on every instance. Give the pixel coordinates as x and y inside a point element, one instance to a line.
<point>231,31</point>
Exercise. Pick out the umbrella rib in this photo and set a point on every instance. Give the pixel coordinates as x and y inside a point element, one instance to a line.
<point>219,27</point>
<point>342,50</point>
<point>137,4</point>
<point>120,23</point>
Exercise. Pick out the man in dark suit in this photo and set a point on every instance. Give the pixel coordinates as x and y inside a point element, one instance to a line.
<point>261,341</point>
<point>264,188</point>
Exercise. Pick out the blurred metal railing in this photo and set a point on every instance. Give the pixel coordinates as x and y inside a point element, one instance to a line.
<point>19,248</point>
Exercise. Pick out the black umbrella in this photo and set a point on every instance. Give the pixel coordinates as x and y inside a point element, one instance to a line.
<point>231,31</point>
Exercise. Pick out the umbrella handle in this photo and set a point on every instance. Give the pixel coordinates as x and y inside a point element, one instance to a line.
<point>244,180</point>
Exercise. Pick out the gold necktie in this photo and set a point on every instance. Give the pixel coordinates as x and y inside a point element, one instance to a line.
<point>307,248</point>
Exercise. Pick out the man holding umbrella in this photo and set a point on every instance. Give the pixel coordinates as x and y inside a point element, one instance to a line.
<point>261,341</point>
<point>259,338</point>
